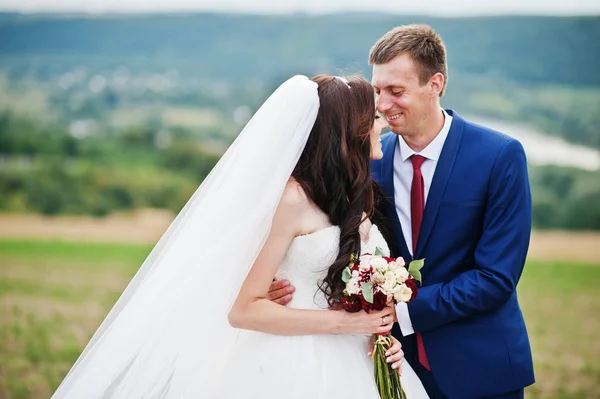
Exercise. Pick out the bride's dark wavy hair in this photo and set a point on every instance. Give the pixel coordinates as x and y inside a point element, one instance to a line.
<point>334,169</point>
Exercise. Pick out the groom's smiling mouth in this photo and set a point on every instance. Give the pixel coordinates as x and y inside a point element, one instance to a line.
<point>394,117</point>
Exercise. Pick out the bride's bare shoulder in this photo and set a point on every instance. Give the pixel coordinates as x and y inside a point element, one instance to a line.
<point>294,195</point>
<point>292,210</point>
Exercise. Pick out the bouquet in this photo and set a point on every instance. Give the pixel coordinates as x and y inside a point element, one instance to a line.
<point>372,283</point>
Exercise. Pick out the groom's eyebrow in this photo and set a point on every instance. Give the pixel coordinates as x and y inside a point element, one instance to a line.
<point>396,86</point>
<point>389,87</point>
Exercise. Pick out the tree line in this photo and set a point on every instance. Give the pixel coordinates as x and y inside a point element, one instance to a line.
<point>44,169</point>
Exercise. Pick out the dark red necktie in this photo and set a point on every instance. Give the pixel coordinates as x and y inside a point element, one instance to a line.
<point>417,206</point>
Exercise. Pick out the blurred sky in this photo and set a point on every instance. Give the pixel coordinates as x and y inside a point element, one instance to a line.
<point>429,7</point>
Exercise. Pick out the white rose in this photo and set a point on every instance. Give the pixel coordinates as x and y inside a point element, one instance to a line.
<point>389,284</point>
<point>364,266</point>
<point>353,286</point>
<point>402,293</point>
<point>378,277</point>
<point>400,262</point>
<point>378,263</point>
<point>401,274</point>
<point>366,258</point>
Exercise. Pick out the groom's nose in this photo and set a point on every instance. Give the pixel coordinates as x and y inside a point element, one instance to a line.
<point>383,103</point>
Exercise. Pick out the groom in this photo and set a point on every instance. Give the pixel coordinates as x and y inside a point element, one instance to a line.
<point>458,196</point>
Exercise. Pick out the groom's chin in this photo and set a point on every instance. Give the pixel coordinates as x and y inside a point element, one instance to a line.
<point>397,131</point>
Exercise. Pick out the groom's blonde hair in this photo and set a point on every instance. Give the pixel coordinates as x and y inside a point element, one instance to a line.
<point>421,42</point>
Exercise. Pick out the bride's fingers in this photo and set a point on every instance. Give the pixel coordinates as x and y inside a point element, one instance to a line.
<point>384,316</point>
<point>395,356</point>
<point>371,346</point>
<point>394,348</point>
<point>398,366</point>
<point>384,328</point>
<point>396,361</point>
<point>386,313</point>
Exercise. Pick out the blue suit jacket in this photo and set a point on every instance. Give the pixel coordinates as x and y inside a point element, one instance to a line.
<point>474,238</point>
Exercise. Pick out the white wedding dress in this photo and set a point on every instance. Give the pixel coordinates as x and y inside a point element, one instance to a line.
<point>168,336</point>
<point>310,366</point>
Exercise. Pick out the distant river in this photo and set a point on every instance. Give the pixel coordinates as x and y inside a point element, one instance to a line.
<point>543,149</point>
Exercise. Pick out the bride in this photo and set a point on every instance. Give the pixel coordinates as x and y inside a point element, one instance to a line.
<point>289,199</point>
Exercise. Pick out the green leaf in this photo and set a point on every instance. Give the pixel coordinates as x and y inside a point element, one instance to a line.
<point>367,291</point>
<point>417,275</point>
<point>379,252</point>
<point>414,268</point>
<point>416,265</point>
<point>346,275</point>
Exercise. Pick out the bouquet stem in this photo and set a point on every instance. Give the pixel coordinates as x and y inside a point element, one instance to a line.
<point>386,378</point>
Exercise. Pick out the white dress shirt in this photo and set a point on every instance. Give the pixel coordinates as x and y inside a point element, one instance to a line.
<point>403,173</point>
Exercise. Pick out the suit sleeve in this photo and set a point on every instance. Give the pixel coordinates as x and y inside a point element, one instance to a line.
<point>499,256</point>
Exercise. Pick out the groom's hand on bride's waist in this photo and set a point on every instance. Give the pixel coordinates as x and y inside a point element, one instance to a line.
<point>281,292</point>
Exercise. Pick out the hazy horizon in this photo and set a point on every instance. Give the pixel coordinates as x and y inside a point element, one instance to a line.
<point>423,7</point>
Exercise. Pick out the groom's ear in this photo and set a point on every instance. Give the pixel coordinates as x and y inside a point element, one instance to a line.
<point>436,84</point>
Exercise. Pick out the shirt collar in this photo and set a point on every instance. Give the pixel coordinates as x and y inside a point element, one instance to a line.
<point>434,149</point>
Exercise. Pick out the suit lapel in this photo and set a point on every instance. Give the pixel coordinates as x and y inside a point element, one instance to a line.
<point>440,180</point>
<point>387,184</point>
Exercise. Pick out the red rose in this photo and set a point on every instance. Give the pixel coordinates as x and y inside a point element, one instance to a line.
<point>366,306</point>
<point>379,302</point>
<point>412,284</point>
<point>351,303</point>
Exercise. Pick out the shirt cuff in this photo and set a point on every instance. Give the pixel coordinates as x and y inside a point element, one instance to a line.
<point>404,319</point>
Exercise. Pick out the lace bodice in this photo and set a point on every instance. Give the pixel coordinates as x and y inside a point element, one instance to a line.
<point>308,259</point>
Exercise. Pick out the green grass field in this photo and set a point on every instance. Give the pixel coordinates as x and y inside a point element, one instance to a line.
<point>53,295</point>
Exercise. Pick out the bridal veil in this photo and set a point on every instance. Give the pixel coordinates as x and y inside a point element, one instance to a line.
<point>168,335</point>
